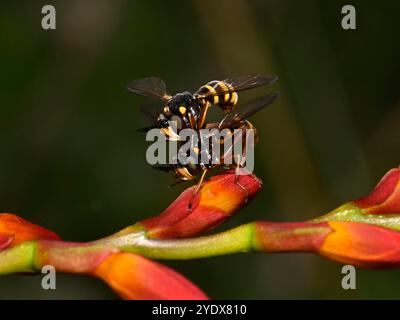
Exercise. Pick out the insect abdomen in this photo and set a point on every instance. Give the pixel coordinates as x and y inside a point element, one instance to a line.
<point>219,93</point>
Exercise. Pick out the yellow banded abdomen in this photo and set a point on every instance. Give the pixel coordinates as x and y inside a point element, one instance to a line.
<point>219,93</point>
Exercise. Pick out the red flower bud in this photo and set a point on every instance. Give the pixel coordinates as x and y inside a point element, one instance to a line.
<point>218,199</point>
<point>14,230</point>
<point>385,198</point>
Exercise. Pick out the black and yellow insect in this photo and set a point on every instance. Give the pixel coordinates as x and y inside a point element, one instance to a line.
<point>236,120</point>
<point>191,109</point>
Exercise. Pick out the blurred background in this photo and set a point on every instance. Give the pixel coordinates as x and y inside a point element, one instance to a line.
<point>72,161</point>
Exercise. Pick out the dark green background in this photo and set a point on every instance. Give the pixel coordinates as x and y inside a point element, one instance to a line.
<point>72,161</point>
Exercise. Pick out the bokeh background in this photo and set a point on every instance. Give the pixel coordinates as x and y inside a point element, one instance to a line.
<point>72,161</point>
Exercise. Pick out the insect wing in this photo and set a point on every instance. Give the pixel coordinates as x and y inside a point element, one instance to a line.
<point>150,112</point>
<point>152,87</point>
<point>242,83</point>
<point>233,119</point>
<point>250,81</point>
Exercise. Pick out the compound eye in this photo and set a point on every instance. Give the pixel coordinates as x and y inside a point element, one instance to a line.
<point>167,111</point>
<point>182,109</point>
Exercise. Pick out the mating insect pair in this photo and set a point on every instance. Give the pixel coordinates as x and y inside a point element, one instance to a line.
<point>187,110</point>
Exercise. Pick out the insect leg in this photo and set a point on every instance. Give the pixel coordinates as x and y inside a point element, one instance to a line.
<point>198,186</point>
<point>200,181</point>
<point>240,160</point>
<point>203,114</point>
<point>237,179</point>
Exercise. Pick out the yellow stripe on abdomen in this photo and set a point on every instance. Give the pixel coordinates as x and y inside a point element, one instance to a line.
<point>222,88</point>
<point>219,93</point>
<point>234,98</point>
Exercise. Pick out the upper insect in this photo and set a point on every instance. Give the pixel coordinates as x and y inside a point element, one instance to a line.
<point>190,110</point>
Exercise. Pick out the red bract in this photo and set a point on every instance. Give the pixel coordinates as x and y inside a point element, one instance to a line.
<point>15,230</point>
<point>385,199</point>
<point>218,199</point>
<point>134,277</point>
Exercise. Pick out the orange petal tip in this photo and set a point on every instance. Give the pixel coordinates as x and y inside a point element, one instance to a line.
<point>134,277</point>
<point>15,230</point>
<point>362,244</point>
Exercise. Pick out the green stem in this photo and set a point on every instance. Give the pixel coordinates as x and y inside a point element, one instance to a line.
<point>350,212</point>
<point>21,258</point>
<point>239,239</point>
<point>82,258</point>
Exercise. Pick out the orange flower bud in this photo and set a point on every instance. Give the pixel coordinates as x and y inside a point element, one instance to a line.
<point>14,230</point>
<point>362,244</point>
<point>218,199</point>
<point>136,278</point>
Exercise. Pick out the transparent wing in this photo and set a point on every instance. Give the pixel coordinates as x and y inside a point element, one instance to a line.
<point>150,112</point>
<point>152,87</point>
<point>233,119</point>
<point>250,81</point>
<point>243,83</point>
